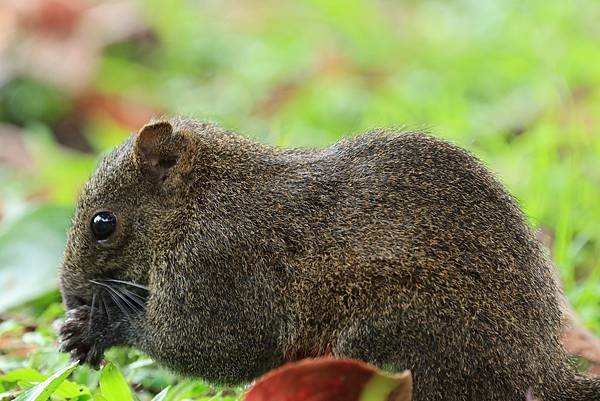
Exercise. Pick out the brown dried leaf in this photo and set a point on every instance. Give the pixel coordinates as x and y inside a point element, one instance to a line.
<point>11,344</point>
<point>60,41</point>
<point>581,342</point>
<point>123,111</point>
<point>13,149</point>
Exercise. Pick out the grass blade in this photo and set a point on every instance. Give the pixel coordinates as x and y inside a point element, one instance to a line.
<point>43,390</point>
<point>113,384</point>
<point>161,396</point>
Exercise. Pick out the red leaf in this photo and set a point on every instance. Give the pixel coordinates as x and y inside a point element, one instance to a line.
<point>329,379</point>
<point>57,16</point>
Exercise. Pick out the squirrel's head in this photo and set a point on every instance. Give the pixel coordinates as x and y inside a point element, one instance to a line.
<point>126,211</point>
<point>146,218</point>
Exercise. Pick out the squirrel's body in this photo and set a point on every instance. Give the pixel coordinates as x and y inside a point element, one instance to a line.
<point>400,250</point>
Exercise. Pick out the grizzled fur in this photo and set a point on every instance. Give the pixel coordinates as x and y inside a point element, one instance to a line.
<point>400,250</point>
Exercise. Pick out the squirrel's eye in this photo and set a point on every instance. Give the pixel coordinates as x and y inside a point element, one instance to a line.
<point>103,225</point>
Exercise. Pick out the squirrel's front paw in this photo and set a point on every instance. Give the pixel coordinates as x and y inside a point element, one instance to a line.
<point>77,338</point>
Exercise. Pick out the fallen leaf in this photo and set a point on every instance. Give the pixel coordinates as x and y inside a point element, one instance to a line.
<point>55,17</point>
<point>581,342</point>
<point>14,346</point>
<point>330,379</point>
<point>14,152</point>
<point>61,41</point>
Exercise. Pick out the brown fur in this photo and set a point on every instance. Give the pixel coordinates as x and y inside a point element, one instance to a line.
<point>400,250</point>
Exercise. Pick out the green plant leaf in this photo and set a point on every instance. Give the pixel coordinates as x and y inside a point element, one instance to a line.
<point>113,384</point>
<point>26,271</point>
<point>43,390</point>
<point>25,374</point>
<point>161,396</point>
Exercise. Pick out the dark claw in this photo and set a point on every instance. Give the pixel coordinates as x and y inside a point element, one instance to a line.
<point>69,330</point>
<point>95,357</point>
<point>69,343</point>
<point>65,334</point>
<point>77,356</point>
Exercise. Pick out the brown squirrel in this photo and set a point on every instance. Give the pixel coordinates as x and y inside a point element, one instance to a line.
<point>224,258</point>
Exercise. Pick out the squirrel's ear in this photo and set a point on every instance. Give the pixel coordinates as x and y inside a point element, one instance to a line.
<point>159,149</point>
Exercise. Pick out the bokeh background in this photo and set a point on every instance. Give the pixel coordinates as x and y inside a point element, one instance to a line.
<point>517,83</point>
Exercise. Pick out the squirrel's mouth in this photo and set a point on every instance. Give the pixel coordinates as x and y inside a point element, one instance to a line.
<point>99,316</point>
<point>109,296</point>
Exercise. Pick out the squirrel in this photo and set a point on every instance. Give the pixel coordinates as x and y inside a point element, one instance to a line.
<point>223,258</point>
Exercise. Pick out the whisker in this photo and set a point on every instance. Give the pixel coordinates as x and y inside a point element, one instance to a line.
<point>114,298</point>
<point>138,296</point>
<point>125,299</point>
<point>112,280</point>
<point>134,297</point>
<point>102,306</point>
<point>105,308</point>
<point>92,309</point>
<point>130,291</point>
<point>117,302</point>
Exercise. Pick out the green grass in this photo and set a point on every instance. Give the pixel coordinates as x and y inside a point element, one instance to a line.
<point>517,83</point>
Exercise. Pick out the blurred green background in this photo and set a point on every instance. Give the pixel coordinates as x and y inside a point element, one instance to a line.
<point>517,83</point>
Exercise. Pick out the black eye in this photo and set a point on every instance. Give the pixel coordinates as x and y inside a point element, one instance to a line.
<point>103,225</point>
